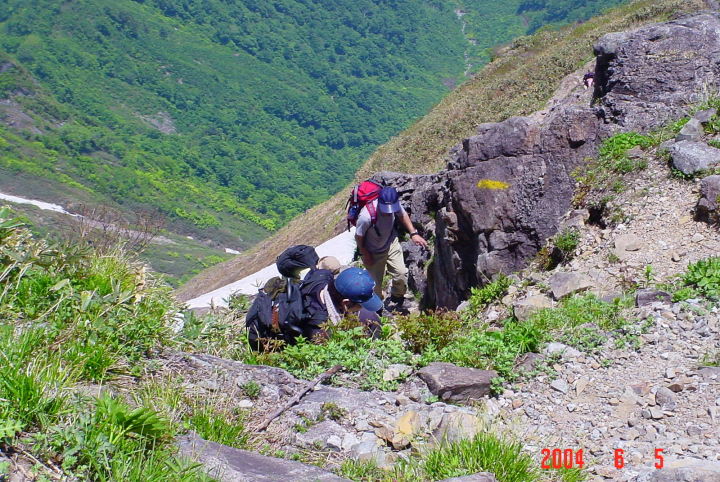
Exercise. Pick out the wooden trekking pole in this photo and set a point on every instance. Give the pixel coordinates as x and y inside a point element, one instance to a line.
<point>296,398</point>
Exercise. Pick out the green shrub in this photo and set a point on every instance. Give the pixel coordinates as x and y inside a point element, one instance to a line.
<point>352,349</point>
<point>704,277</point>
<point>67,315</point>
<point>419,330</point>
<point>613,152</point>
<point>484,295</point>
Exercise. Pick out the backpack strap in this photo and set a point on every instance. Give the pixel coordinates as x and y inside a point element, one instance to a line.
<point>373,216</point>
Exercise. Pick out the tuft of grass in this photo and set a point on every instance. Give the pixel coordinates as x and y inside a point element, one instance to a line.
<point>486,452</point>
<point>252,389</point>
<point>68,316</point>
<point>218,426</point>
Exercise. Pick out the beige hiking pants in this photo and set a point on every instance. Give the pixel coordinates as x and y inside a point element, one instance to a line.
<point>393,262</point>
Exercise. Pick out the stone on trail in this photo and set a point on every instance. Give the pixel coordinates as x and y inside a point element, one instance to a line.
<point>562,349</point>
<point>628,242</point>
<point>690,157</point>
<point>457,384</point>
<point>692,131</point>
<point>705,115</point>
<point>683,470</point>
<point>229,464</point>
<point>525,307</point>
<point>648,296</point>
<point>326,434</point>
<point>395,371</point>
<point>560,385</point>
<point>564,284</point>
<point>456,426</point>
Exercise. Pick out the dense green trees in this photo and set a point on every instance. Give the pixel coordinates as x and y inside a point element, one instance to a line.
<point>210,110</point>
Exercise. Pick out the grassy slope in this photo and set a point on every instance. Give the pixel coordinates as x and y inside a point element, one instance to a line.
<point>520,81</point>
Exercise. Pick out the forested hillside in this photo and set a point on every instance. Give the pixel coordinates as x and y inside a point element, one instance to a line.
<point>229,118</point>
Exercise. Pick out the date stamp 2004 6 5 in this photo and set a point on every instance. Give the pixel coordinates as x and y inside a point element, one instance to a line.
<point>573,458</point>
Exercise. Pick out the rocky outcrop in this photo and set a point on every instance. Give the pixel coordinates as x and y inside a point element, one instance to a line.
<point>378,426</point>
<point>505,189</point>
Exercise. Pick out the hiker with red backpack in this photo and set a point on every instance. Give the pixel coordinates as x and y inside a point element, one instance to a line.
<point>374,210</point>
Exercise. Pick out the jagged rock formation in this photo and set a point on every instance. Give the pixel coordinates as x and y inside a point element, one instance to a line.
<point>505,190</point>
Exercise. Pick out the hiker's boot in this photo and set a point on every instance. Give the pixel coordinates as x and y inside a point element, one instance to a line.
<point>396,304</point>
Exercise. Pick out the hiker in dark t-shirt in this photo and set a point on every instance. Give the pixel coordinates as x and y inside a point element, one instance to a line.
<point>588,80</point>
<point>379,245</point>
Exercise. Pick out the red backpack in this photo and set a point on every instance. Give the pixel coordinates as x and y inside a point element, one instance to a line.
<point>360,196</point>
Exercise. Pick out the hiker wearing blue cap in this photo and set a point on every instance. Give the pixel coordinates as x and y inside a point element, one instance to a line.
<point>352,291</point>
<point>377,241</point>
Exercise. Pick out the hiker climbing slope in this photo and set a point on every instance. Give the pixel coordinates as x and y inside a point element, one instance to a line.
<point>377,241</point>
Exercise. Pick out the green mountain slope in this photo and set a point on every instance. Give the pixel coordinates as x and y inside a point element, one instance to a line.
<point>229,118</point>
<point>271,105</point>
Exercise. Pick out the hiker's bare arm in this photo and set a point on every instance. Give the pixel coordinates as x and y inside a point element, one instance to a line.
<point>366,255</point>
<point>414,236</point>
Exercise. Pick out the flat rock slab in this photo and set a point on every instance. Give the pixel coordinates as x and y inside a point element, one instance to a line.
<point>690,157</point>
<point>684,470</point>
<point>457,384</point>
<point>564,284</point>
<point>229,464</point>
<point>648,297</point>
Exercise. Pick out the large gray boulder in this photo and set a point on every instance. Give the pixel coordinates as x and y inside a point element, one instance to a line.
<point>229,464</point>
<point>457,384</point>
<point>690,157</point>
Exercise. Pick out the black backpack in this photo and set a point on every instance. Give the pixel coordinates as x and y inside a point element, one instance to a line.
<point>296,258</point>
<point>285,309</point>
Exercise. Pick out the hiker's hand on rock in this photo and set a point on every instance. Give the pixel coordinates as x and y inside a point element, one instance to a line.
<point>419,240</point>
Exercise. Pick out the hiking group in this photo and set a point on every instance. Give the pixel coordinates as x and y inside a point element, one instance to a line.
<point>311,292</point>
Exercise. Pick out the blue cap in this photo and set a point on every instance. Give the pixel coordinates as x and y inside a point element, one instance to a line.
<point>357,285</point>
<point>389,201</point>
